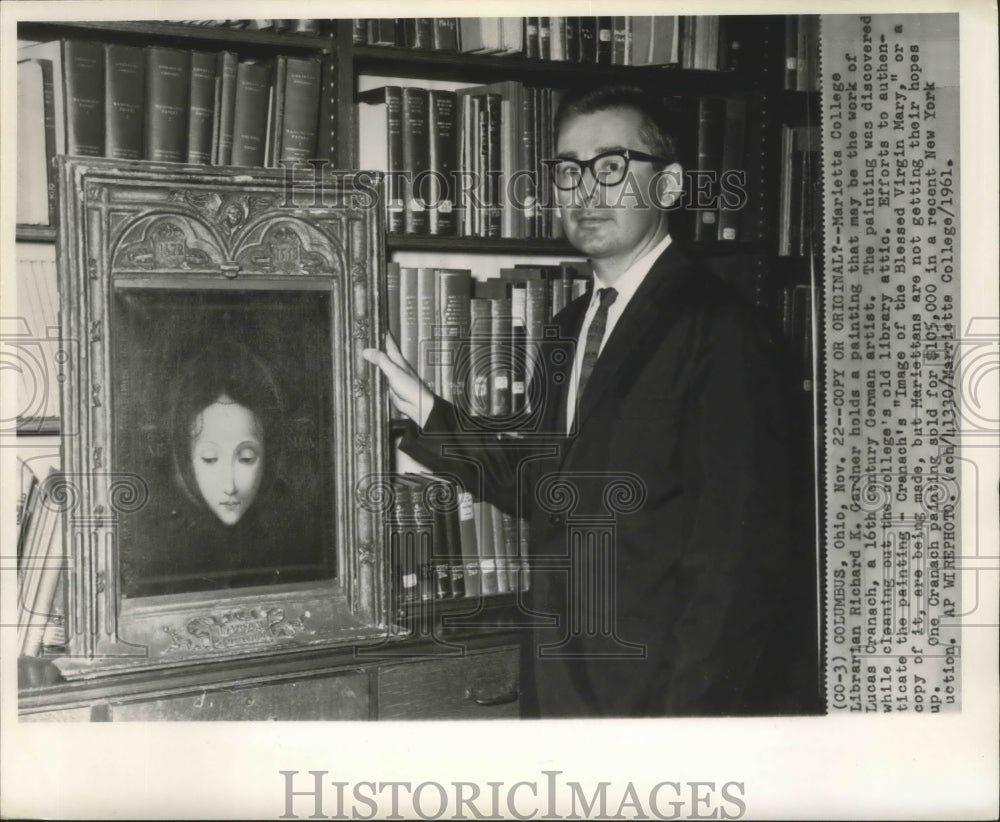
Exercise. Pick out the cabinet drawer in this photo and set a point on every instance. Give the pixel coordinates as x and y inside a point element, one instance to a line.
<point>478,686</point>
<point>344,696</point>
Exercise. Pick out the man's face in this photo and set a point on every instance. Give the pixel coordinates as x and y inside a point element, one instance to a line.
<point>609,223</point>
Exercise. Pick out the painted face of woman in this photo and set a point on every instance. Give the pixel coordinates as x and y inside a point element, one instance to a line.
<point>227,455</point>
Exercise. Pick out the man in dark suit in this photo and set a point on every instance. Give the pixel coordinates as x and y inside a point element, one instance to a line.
<point>655,471</point>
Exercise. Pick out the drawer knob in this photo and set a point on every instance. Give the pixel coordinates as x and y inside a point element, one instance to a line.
<point>504,697</point>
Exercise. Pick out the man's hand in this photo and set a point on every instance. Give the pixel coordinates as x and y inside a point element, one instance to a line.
<point>408,392</point>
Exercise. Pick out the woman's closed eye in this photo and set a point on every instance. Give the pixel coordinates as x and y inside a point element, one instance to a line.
<point>248,457</point>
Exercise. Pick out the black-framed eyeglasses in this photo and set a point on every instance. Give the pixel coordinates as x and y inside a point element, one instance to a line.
<point>609,167</point>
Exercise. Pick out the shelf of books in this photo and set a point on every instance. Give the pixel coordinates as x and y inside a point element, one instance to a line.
<point>213,96</point>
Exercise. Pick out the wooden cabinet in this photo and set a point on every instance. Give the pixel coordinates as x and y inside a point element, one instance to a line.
<point>341,696</point>
<point>477,686</point>
<point>476,678</point>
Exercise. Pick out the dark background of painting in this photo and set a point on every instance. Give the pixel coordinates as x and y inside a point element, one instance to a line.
<point>156,333</point>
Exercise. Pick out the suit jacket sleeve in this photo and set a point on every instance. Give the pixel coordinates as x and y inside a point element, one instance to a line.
<point>486,465</point>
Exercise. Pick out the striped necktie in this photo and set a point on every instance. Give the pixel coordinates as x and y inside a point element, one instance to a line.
<point>595,335</point>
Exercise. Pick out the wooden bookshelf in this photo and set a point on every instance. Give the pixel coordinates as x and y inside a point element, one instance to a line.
<point>413,63</point>
<point>154,32</point>
<point>35,234</point>
<point>168,694</point>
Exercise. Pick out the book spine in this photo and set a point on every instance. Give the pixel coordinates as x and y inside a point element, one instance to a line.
<point>526,189</point>
<point>426,345</point>
<point>532,45</point>
<point>537,314</point>
<point>409,341</point>
<point>469,543</point>
<point>83,78</point>
<point>227,69</point>
<point>35,174</point>
<point>395,210</point>
<point>276,112</point>
<point>544,38</point>
<point>326,126</point>
<point>605,36</point>
<point>480,356</point>
<point>441,550</point>
<point>204,67</point>
<point>416,158</point>
<point>501,563</point>
<point>518,346</point>
<point>450,539</point>
<point>494,211</point>
<point>557,34</point>
<point>500,372</point>
<point>302,98</point>
<point>168,80</point>
<point>488,579</point>
<point>733,170</point>
<point>454,294</point>
<point>423,33</point>
<point>253,89</point>
<point>445,34</point>
<point>618,36</point>
<point>429,582</point>
<point>573,39</point>
<point>392,299</point>
<point>442,217</point>
<point>124,101</point>
<point>588,39</point>
<point>711,128</point>
<point>480,140</point>
<point>49,115</point>
<point>524,549</point>
<point>511,561</point>
<point>403,546</point>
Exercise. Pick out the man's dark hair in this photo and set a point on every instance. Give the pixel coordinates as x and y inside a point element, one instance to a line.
<point>655,130</point>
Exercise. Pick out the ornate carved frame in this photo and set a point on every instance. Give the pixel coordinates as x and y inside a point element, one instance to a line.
<point>175,226</point>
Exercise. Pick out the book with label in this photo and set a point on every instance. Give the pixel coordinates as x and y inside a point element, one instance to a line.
<point>488,578</point>
<point>297,138</point>
<point>733,188</point>
<point>250,116</point>
<point>416,159</point>
<point>50,54</point>
<point>201,119</point>
<point>470,544</point>
<point>36,143</point>
<point>453,308</point>
<point>711,131</point>
<point>168,81</point>
<point>442,219</point>
<point>380,112</point>
<point>225,108</point>
<point>125,102</point>
<point>83,67</point>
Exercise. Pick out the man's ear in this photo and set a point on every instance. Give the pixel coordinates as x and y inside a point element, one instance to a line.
<point>669,185</point>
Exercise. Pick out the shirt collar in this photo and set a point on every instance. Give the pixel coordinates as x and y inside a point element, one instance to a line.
<point>632,278</point>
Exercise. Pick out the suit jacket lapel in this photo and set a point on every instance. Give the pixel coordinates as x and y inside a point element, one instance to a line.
<point>649,311</point>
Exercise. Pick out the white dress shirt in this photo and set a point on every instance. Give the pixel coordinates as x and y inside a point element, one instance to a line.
<point>626,286</point>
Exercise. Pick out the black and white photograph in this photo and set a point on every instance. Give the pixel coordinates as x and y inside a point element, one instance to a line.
<point>500,417</point>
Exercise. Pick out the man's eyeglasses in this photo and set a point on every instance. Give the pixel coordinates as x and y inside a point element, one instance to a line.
<point>609,167</point>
